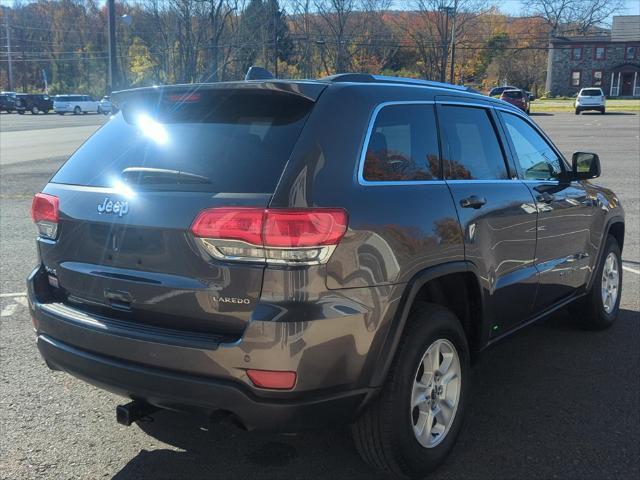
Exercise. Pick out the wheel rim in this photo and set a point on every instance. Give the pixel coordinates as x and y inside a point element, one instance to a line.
<point>436,393</point>
<point>610,282</point>
<point>34,110</point>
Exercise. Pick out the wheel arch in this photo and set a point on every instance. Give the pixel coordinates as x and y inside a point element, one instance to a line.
<point>615,226</point>
<point>442,285</point>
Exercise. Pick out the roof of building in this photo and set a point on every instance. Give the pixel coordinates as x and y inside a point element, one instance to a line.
<point>625,29</point>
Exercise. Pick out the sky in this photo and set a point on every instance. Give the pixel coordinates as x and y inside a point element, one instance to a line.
<point>511,7</point>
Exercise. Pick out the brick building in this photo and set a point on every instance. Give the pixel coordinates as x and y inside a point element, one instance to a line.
<point>609,61</point>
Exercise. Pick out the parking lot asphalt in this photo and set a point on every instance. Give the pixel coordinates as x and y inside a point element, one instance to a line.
<point>552,402</point>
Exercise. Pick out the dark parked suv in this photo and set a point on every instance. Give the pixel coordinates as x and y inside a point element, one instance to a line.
<point>34,103</point>
<point>294,254</point>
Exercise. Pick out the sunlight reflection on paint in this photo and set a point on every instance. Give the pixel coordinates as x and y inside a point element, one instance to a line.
<point>152,129</point>
<point>123,189</point>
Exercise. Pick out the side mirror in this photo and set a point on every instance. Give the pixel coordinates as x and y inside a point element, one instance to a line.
<point>585,165</point>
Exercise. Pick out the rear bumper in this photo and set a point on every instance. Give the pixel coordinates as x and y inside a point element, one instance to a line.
<point>202,374</point>
<point>189,393</point>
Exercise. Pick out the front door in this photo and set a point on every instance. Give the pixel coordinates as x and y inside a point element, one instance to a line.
<point>563,207</point>
<point>627,84</point>
<point>496,212</point>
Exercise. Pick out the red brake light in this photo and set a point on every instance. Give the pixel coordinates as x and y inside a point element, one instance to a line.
<point>234,223</point>
<point>297,236</point>
<point>44,207</point>
<point>272,379</point>
<point>304,227</point>
<point>272,227</point>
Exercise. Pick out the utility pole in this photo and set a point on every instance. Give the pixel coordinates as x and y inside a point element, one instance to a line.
<point>443,65</point>
<point>114,80</point>
<point>453,44</point>
<point>9,59</point>
<point>275,39</point>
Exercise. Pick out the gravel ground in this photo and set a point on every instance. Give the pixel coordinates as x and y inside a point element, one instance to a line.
<point>553,402</point>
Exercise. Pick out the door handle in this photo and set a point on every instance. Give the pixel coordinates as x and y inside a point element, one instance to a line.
<point>473,202</point>
<point>545,197</point>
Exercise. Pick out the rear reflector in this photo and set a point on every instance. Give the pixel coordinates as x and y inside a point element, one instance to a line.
<point>272,379</point>
<point>45,214</point>
<point>302,236</point>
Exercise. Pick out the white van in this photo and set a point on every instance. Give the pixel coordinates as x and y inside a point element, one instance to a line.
<point>75,104</point>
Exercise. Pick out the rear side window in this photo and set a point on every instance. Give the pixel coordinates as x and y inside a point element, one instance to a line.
<point>471,148</point>
<point>403,145</point>
<point>218,141</point>
<point>537,160</point>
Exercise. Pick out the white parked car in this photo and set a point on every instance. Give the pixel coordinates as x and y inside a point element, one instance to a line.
<point>105,106</point>
<point>590,99</point>
<point>75,104</point>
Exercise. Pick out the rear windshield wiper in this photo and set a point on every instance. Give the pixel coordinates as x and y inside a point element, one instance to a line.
<point>161,176</point>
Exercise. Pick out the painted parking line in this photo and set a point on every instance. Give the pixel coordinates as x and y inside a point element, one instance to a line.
<point>12,295</point>
<point>632,270</point>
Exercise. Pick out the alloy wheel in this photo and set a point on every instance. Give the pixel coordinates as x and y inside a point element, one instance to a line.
<point>435,395</point>
<point>610,282</point>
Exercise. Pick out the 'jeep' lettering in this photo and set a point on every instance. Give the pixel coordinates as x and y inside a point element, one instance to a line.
<point>116,207</point>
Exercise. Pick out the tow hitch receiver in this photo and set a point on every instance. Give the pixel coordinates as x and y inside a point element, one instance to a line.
<point>133,411</point>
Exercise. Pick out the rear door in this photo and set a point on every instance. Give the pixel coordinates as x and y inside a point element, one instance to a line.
<point>130,194</point>
<point>564,212</point>
<point>496,212</point>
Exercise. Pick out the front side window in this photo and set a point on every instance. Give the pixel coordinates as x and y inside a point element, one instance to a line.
<point>471,148</point>
<point>597,78</point>
<point>576,53</point>
<point>537,160</point>
<point>403,145</point>
<point>575,78</point>
<point>599,53</point>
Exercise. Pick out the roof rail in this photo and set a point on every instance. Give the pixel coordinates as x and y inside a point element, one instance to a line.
<point>368,78</point>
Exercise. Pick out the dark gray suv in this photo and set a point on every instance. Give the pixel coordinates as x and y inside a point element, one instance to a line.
<point>294,254</point>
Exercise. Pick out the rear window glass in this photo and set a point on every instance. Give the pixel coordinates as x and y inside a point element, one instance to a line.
<point>403,145</point>
<point>514,94</point>
<point>223,141</point>
<point>591,92</point>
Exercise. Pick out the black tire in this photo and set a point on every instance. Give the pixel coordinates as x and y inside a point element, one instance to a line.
<point>46,112</point>
<point>20,112</point>
<point>602,111</point>
<point>77,110</point>
<point>61,113</point>
<point>577,111</point>
<point>590,309</point>
<point>384,433</point>
<point>99,109</point>
<point>34,110</point>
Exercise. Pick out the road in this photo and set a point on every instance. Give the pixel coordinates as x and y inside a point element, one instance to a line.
<point>552,402</point>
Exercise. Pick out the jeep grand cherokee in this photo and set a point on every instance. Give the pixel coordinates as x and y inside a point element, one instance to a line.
<point>295,254</point>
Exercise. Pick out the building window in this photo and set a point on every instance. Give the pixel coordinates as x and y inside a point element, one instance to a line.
<point>576,53</point>
<point>599,53</point>
<point>597,78</point>
<point>575,78</point>
<point>630,53</point>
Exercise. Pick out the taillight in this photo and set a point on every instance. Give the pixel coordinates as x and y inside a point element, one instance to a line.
<point>281,236</point>
<point>45,214</point>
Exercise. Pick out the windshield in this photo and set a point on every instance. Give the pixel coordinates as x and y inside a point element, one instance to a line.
<point>219,142</point>
<point>512,94</point>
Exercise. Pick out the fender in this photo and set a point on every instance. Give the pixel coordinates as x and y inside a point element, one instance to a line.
<point>396,328</point>
<point>606,230</point>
